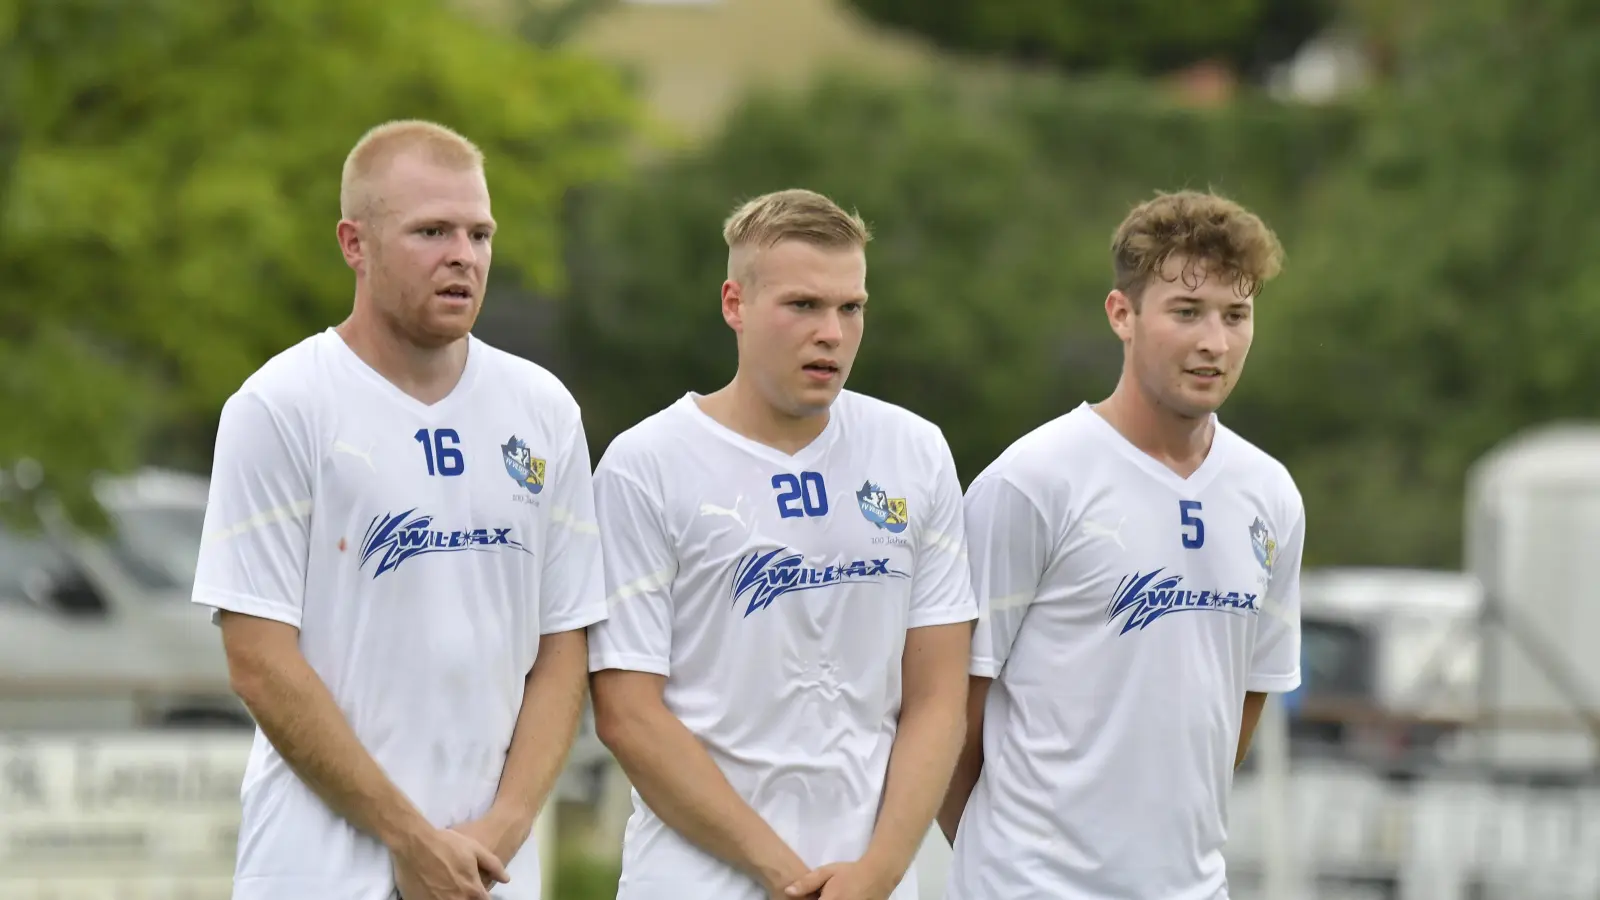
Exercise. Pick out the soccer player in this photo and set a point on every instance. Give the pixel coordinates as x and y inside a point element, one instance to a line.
<point>782,675</point>
<point>401,553</point>
<point>1138,564</point>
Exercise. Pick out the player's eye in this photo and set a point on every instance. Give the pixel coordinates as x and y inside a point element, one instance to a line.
<point>431,231</point>
<point>803,304</point>
<point>851,308</point>
<point>481,235</point>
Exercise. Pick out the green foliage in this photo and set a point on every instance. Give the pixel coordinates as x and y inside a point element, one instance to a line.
<point>1132,35</point>
<point>1447,297</point>
<point>169,188</point>
<point>993,207</point>
<point>579,877</point>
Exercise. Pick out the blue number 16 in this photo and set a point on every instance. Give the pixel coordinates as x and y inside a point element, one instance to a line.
<point>439,449</point>
<point>1186,513</point>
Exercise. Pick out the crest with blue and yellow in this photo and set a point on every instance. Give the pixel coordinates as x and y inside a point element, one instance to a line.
<point>523,467</point>
<point>882,510</point>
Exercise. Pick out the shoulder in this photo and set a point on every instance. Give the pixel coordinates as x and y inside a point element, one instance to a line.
<point>293,377</point>
<point>641,451</point>
<point>287,392</point>
<point>1036,460</point>
<point>540,386</point>
<point>884,420</point>
<point>1258,467</point>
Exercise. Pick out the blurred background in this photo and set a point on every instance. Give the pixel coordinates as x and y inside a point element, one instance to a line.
<point>1427,365</point>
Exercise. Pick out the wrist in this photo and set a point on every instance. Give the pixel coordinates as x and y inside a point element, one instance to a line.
<point>512,819</point>
<point>774,864</point>
<point>403,830</point>
<point>889,867</point>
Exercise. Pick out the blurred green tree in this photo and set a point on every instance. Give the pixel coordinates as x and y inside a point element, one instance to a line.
<point>1131,35</point>
<point>994,206</point>
<point>1447,296</point>
<point>169,187</point>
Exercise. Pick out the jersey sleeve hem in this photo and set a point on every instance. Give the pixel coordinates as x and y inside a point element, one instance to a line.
<point>245,604</point>
<point>581,619</point>
<point>1273,684</point>
<point>928,617</point>
<point>984,668</point>
<point>631,662</point>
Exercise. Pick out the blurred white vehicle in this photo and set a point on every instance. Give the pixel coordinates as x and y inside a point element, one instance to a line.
<point>96,631</point>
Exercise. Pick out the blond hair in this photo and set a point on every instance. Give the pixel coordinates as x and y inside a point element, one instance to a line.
<point>796,215</point>
<point>1216,236</point>
<point>383,143</point>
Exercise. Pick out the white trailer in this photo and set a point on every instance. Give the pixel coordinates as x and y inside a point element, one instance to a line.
<point>1533,540</point>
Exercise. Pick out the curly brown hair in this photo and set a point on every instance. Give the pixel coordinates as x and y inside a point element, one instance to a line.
<point>1216,236</point>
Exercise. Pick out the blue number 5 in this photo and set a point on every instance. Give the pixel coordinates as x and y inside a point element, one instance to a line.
<point>1186,512</point>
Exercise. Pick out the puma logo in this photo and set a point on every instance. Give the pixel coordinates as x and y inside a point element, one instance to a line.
<point>1097,529</point>
<point>711,509</point>
<point>339,446</point>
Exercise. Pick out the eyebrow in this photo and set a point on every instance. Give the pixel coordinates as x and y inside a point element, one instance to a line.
<point>488,224</point>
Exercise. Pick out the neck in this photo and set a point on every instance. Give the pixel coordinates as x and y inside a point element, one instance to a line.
<point>740,408</point>
<point>428,374</point>
<point>1178,442</point>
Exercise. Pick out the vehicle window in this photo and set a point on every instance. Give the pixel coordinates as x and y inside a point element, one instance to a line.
<point>159,545</point>
<point>1335,659</point>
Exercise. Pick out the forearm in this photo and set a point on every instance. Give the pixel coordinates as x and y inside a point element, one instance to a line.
<point>968,766</point>
<point>299,716</point>
<point>1254,703</point>
<point>926,747</point>
<point>677,778</point>
<point>552,701</point>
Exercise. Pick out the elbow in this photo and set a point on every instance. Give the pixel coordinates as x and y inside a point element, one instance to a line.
<point>249,679</point>
<point>613,724</point>
<point>627,706</point>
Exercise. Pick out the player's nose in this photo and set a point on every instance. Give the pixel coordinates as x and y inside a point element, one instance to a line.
<point>460,253</point>
<point>831,329</point>
<point>1213,338</point>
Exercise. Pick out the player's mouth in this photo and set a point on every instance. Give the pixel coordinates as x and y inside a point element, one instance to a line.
<point>455,293</point>
<point>1205,373</point>
<point>821,371</point>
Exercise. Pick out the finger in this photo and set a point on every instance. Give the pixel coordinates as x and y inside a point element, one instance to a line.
<point>490,865</point>
<point>811,882</point>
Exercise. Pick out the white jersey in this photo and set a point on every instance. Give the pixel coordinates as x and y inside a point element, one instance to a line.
<point>774,592</point>
<point>422,551</point>
<point>1127,610</point>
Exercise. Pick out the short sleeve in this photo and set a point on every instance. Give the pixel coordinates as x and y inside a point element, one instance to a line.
<point>572,587</point>
<point>640,567</point>
<point>1275,657</point>
<point>1009,546</point>
<point>941,587</point>
<point>258,514</point>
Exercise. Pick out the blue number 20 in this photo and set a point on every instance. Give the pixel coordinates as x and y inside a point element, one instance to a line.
<point>440,451</point>
<point>1186,512</point>
<point>807,491</point>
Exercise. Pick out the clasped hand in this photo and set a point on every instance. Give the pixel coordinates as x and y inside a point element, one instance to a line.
<point>860,880</point>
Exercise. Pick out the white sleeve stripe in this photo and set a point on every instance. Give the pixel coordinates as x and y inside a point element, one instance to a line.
<point>288,512</point>
<point>560,515</point>
<point>1010,601</point>
<point>653,581</point>
<point>941,541</point>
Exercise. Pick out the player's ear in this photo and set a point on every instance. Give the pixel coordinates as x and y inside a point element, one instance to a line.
<point>733,305</point>
<point>351,245</point>
<point>1120,313</point>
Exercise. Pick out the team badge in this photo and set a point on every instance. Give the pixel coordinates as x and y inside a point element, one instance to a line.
<point>523,467</point>
<point>1262,543</point>
<point>882,510</point>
